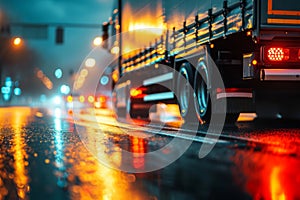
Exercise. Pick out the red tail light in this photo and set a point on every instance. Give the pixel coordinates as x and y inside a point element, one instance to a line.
<point>137,92</point>
<point>102,99</point>
<point>277,54</point>
<point>299,54</point>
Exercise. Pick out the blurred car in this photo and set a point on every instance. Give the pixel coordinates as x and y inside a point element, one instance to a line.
<point>101,102</point>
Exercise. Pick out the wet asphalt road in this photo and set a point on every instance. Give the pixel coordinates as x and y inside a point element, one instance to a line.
<point>48,157</point>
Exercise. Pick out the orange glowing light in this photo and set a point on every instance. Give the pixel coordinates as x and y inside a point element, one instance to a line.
<point>272,11</point>
<point>247,117</point>
<point>70,112</point>
<point>283,21</point>
<point>101,178</point>
<point>39,74</point>
<point>135,140</point>
<point>39,114</point>
<point>17,41</point>
<point>102,99</point>
<point>135,92</point>
<point>18,147</point>
<point>45,80</point>
<point>115,76</point>
<point>275,185</point>
<point>148,27</point>
<point>143,27</point>
<point>139,151</point>
<point>254,62</point>
<point>271,173</point>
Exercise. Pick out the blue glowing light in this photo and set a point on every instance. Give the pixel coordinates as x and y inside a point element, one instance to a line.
<point>58,73</point>
<point>104,80</point>
<point>6,97</point>
<point>17,91</point>
<point>5,90</point>
<point>65,89</point>
<point>8,82</point>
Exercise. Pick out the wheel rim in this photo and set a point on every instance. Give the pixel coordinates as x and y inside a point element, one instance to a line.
<point>184,93</point>
<point>202,97</point>
<point>202,92</point>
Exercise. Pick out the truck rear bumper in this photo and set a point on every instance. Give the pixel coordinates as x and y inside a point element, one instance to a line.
<point>280,75</point>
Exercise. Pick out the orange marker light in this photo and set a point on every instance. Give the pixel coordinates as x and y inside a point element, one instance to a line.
<point>102,99</point>
<point>135,92</point>
<point>254,62</point>
<point>17,41</point>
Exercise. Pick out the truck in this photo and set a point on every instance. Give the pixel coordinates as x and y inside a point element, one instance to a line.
<point>166,49</point>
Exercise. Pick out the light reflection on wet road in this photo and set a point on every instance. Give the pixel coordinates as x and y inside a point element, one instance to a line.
<point>42,157</point>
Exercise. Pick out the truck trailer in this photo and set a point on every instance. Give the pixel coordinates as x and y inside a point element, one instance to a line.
<point>166,50</point>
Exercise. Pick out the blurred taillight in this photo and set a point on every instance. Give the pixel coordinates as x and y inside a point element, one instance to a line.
<point>277,54</point>
<point>299,54</point>
<point>135,92</point>
<point>254,62</point>
<point>102,99</point>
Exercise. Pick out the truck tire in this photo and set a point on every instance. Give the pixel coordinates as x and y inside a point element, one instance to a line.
<point>203,104</point>
<point>202,93</point>
<point>185,82</point>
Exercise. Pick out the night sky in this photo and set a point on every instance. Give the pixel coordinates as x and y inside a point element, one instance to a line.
<point>42,52</point>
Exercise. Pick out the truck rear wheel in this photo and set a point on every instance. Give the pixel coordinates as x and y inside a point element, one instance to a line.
<point>203,103</point>
<point>185,92</point>
<point>202,94</point>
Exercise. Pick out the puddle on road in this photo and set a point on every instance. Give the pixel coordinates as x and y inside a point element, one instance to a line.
<point>41,162</point>
<point>46,159</point>
<point>267,176</point>
<point>14,179</point>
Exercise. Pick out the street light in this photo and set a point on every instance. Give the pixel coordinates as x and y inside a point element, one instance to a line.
<point>97,41</point>
<point>17,41</point>
<point>8,45</point>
